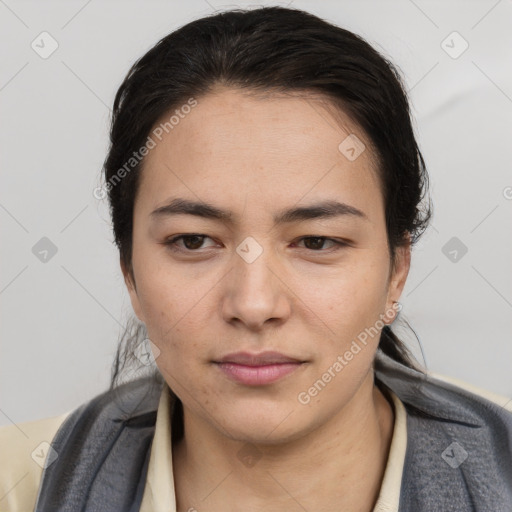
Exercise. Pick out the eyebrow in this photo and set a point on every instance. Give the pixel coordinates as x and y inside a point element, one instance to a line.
<point>321,210</point>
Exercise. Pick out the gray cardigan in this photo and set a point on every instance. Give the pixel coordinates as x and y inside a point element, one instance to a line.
<point>458,458</point>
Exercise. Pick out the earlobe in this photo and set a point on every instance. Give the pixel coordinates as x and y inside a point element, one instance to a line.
<point>401,271</point>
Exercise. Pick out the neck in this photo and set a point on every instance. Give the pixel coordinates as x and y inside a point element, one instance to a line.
<point>338,466</point>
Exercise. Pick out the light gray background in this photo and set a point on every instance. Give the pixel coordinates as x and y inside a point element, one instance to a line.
<point>61,319</point>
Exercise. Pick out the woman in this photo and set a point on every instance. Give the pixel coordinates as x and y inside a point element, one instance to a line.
<point>266,189</point>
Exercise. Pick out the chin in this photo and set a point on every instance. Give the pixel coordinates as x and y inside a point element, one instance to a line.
<point>260,427</point>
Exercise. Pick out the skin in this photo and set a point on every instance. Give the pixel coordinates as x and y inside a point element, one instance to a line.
<point>256,157</point>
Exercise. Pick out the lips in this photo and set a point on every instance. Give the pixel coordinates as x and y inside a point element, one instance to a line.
<point>262,359</point>
<point>257,369</point>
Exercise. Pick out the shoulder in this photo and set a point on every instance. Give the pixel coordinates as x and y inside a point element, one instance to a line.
<point>500,400</point>
<point>459,442</point>
<point>33,450</point>
<point>460,453</point>
<point>444,398</point>
<point>26,449</point>
<point>113,430</point>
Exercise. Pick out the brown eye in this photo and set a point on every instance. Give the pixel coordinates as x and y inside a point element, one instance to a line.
<point>193,241</point>
<point>315,243</point>
<point>190,242</point>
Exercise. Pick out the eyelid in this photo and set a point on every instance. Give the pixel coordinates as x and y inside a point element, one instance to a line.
<point>337,243</point>
<point>171,243</point>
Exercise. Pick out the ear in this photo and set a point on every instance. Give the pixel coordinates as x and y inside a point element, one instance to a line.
<point>129,280</point>
<point>399,273</point>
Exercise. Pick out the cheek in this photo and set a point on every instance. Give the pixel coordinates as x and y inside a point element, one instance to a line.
<point>162,308</point>
<point>176,315</point>
<point>352,297</point>
<point>163,295</point>
<point>350,307</point>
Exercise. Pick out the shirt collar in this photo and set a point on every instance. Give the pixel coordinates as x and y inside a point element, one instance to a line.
<point>159,492</point>
<point>389,496</point>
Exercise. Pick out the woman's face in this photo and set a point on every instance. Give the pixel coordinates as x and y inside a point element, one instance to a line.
<point>252,282</point>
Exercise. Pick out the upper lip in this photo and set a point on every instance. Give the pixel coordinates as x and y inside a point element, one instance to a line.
<point>263,358</point>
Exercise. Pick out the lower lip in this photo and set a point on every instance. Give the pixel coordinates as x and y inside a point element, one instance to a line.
<point>257,375</point>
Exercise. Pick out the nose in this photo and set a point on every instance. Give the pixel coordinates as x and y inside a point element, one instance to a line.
<point>256,293</point>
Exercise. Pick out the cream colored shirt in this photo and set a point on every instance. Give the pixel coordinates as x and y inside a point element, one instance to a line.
<point>24,448</point>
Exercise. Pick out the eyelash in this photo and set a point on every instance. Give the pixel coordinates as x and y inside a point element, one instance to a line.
<point>171,243</point>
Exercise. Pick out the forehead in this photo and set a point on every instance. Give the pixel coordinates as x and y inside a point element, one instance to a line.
<point>260,125</point>
<point>280,146</point>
